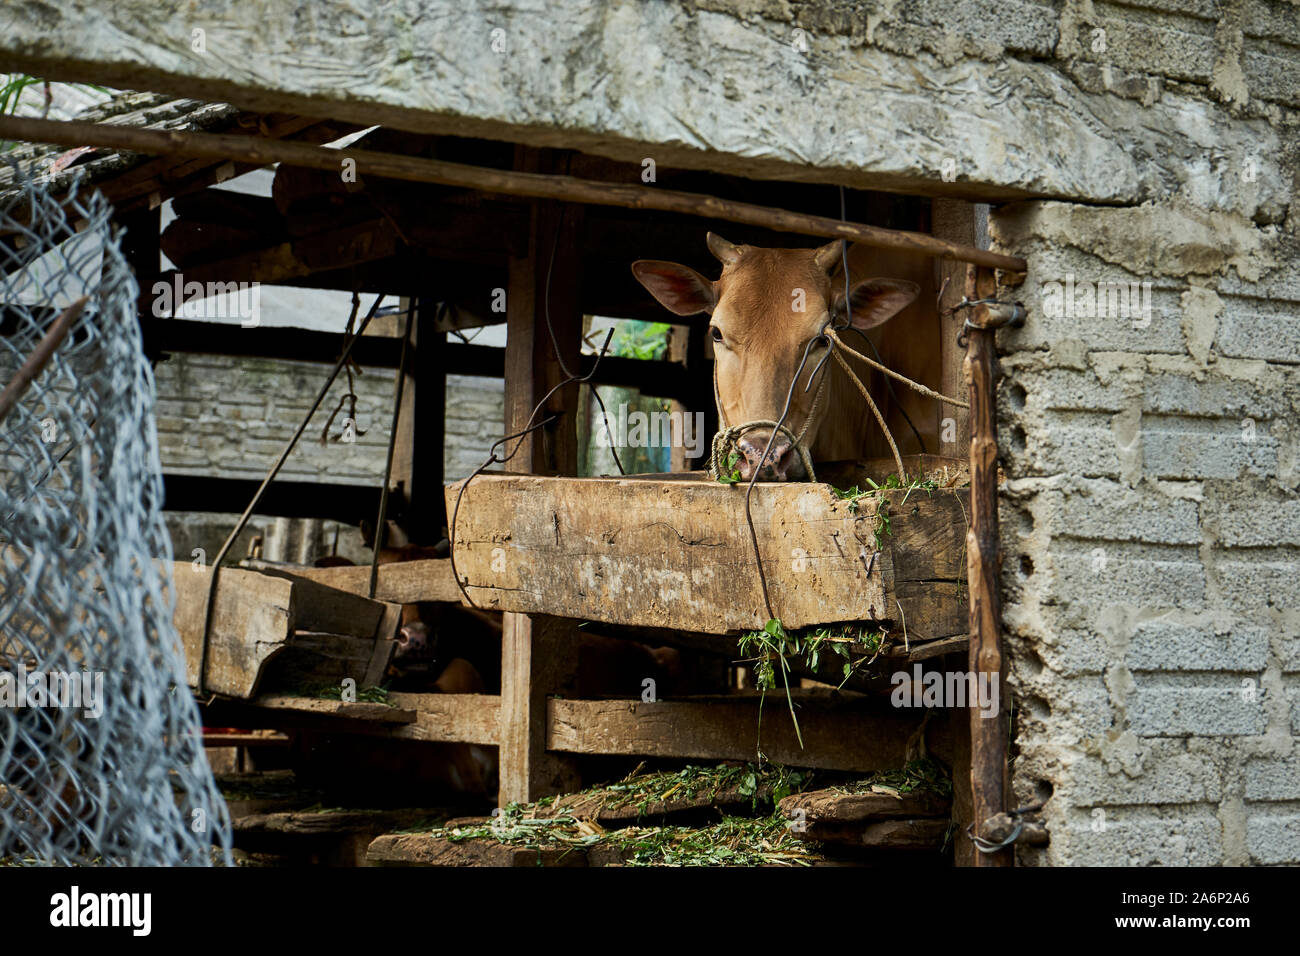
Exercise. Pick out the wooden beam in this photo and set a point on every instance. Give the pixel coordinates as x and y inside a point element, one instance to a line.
<point>417,476</point>
<point>954,220</point>
<point>536,660</point>
<point>340,248</point>
<point>837,735</point>
<point>660,378</point>
<point>191,336</point>
<point>252,622</point>
<point>425,849</point>
<point>834,806</point>
<point>674,552</point>
<point>988,747</point>
<point>513,182</point>
<point>291,712</point>
<point>288,499</point>
<point>403,582</point>
<point>336,709</point>
<point>451,718</point>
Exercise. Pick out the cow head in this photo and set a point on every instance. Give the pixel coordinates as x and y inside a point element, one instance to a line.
<point>763,310</point>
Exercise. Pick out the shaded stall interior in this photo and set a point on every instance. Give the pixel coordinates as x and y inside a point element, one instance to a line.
<point>462,259</point>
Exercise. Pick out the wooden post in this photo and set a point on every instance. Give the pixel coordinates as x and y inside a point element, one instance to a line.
<point>537,651</point>
<point>678,342</point>
<point>421,425</point>
<point>700,367</point>
<point>140,238</point>
<point>953,220</point>
<point>988,735</point>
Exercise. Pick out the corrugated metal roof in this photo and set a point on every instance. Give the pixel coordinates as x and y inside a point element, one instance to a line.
<point>55,164</point>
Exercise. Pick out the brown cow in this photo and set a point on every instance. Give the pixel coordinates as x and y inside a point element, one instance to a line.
<point>764,309</point>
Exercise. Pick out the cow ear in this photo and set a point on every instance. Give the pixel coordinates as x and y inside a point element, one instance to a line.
<point>679,289</point>
<point>875,301</point>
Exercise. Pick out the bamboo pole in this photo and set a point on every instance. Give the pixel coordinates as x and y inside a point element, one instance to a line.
<point>250,149</point>
<point>984,562</point>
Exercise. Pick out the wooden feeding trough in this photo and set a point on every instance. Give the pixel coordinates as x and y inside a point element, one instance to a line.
<point>293,629</point>
<point>674,551</point>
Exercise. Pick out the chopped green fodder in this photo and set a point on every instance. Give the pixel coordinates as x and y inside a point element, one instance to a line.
<point>772,648</point>
<point>732,841</point>
<point>924,774</point>
<point>333,690</point>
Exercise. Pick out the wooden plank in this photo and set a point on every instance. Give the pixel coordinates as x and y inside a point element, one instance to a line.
<point>952,219</point>
<point>450,718</point>
<point>314,824</point>
<point>385,645</point>
<point>336,611</point>
<point>312,658</point>
<point>336,709</point>
<point>677,554</point>
<point>423,849</point>
<point>253,619</point>
<point>541,303</point>
<point>923,834</point>
<point>836,736</point>
<point>543,332</point>
<point>963,810</point>
<point>536,659</point>
<point>988,751</point>
<point>831,806</point>
<point>403,582</point>
<point>678,809</point>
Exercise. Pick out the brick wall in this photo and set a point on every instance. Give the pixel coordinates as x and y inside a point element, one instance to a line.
<point>1151,527</point>
<point>231,417</point>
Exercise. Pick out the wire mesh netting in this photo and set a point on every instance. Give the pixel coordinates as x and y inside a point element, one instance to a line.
<point>101,757</point>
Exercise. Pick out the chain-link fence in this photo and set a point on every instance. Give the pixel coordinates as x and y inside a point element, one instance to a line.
<point>101,759</point>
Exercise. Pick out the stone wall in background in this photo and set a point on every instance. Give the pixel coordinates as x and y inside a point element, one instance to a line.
<point>230,417</point>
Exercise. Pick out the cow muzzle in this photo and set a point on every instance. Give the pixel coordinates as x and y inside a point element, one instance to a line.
<point>781,463</point>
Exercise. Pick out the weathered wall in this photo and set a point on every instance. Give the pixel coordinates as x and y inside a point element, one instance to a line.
<point>1152,533</point>
<point>1151,522</point>
<point>877,93</point>
<point>231,417</point>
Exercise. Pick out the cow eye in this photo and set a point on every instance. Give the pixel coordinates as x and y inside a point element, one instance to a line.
<point>716,333</point>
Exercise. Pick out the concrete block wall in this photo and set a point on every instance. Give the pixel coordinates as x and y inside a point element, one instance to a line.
<point>1151,517</point>
<point>1151,527</point>
<point>230,417</point>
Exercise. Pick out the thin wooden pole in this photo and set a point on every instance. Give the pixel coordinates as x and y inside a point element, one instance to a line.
<point>40,357</point>
<point>251,149</point>
<point>988,735</point>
